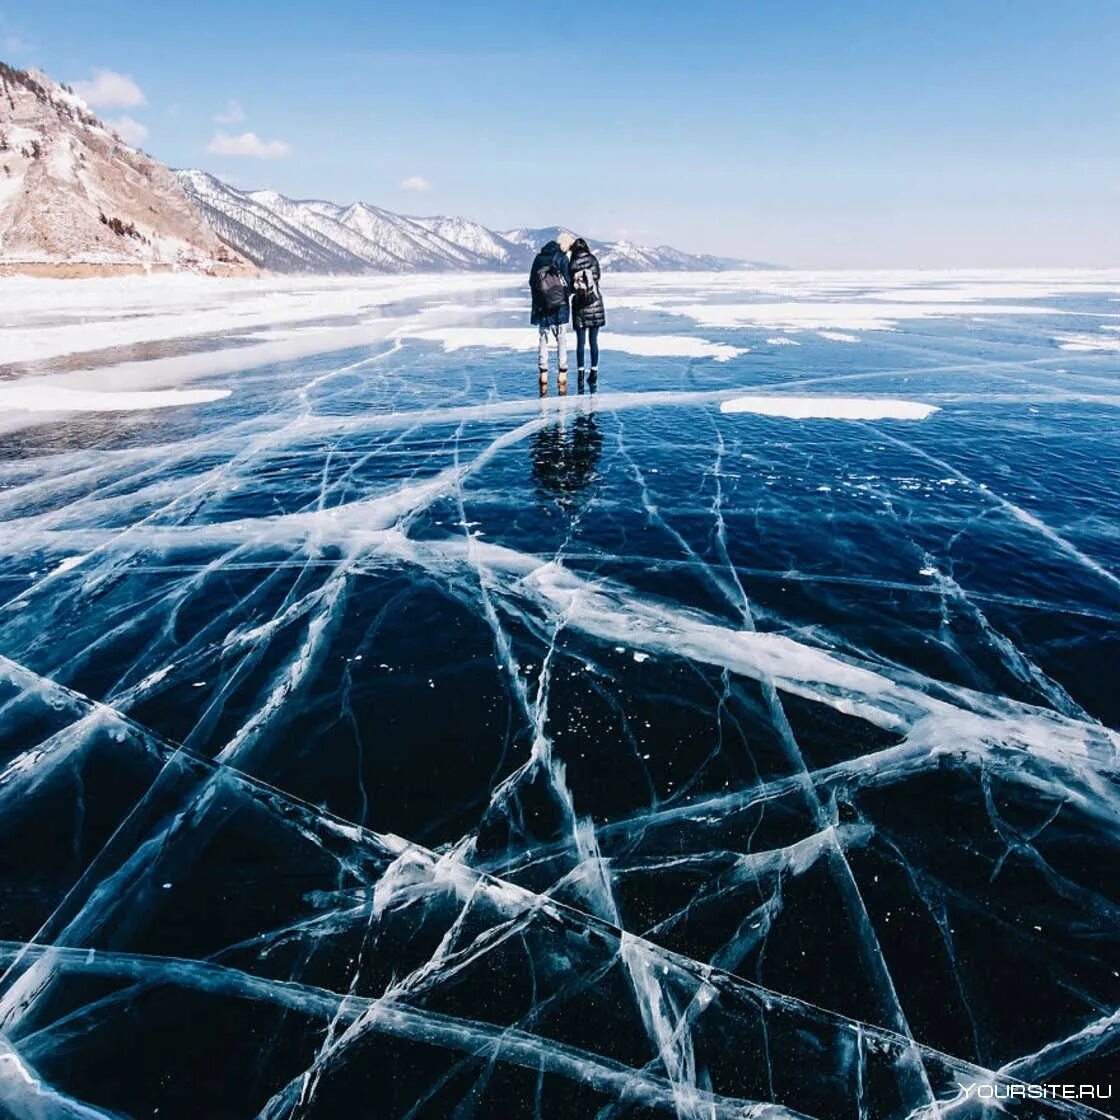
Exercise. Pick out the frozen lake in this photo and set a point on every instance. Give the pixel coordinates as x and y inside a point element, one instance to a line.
<point>381,740</point>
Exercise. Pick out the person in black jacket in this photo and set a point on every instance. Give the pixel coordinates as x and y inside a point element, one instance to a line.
<point>550,282</point>
<point>588,310</point>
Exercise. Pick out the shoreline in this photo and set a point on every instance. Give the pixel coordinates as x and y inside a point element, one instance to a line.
<point>87,270</point>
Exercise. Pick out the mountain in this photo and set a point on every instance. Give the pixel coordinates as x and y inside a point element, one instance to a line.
<point>74,196</point>
<point>475,238</point>
<point>409,242</point>
<point>528,241</point>
<point>286,235</point>
<point>623,256</point>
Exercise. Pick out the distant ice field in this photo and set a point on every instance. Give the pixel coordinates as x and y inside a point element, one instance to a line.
<point>739,737</point>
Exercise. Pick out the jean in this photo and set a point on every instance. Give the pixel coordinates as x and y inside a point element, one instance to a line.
<point>581,336</point>
<point>560,334</point>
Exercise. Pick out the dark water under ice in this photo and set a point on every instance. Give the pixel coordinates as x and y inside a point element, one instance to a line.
<point>384,742</point>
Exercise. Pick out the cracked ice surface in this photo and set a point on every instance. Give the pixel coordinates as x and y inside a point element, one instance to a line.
<point>379,740</point>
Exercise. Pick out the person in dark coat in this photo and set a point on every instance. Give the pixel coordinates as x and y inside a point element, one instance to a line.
<point>588,311</point>
<point>550,282</point>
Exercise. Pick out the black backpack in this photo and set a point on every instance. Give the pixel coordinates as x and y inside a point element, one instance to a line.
<point>550,290</point>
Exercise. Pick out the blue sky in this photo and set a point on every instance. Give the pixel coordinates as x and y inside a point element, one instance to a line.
<point>858,134</point>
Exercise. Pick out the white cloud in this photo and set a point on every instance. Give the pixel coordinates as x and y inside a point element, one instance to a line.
<point>129,130</point>
<point>247,144</point>
<point>233,113</point>
<point>416,183</point>
<point>109,90</point>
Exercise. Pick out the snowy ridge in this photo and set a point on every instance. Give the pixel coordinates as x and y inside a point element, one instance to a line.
<point>405,240</point>
<point>289,235</point>
<point>625,256</point>
<point>265,237</point>
<point>473,237</point>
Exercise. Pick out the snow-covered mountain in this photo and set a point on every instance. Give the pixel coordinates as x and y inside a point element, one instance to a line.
<point>528,241</point>
<point>475,238</point>
<point>286,235</point>
<point>75,196</point>
<point>624,256</point>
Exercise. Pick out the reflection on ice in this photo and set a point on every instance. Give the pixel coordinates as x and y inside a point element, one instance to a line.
<point>382,737</point>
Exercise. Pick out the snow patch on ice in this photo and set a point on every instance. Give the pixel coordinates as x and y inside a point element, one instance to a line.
<point>1088,342</point>
<point>830,408</point>
<point>840,315</point>
<point>525,339</point>
<point>35,397</point>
